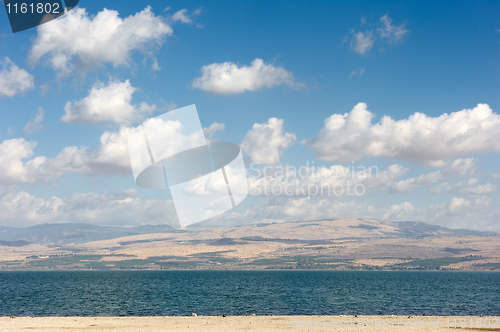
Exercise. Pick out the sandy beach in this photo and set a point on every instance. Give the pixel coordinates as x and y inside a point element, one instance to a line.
<point>252,323</point>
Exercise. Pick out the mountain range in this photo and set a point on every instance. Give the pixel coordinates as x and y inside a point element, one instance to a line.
<point>65,233</point>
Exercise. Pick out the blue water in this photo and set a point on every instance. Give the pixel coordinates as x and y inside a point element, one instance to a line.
<point>144,293</point>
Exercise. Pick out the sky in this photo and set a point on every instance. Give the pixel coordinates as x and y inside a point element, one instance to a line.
<point>409,90</point>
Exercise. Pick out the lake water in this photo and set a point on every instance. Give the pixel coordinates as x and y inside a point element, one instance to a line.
<point>145,293</point>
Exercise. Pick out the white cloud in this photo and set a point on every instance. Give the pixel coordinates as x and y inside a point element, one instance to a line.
<point>362,42</point>
<point>106,104</point>
<point>14,80</point>
<point>461,167</point>
<point>185,17</point>
<point>467,188</point>
<point>182,16</point>
<point>229,78</point>
<point>84,42</point>
<point>336,180</point>
<point>111,157</point>
<point>35,124</point>
<point>214,127</point>
<point>13,170</point>
<point>408,185</point>
<point>127,208</point>
<point>457,167</point>
<point>265,142</point>
<point>420,138</point>
<point>391,33</point>
<point>475,214</point>
<point>119,208</point>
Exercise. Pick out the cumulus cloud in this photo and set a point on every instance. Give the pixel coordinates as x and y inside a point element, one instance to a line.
<point>336,180</point>
<point>391,33</point>
<point>229,78</point>
<point>461,167</point>
<point>18,166</point>
<point>214,128</point>
<point>185,17</point>
<point>408,185</point>
<point>12,168</point>
<point>127,208</point>
<point>455,168</point>
<point>107,103</point>
<point>35,125</point>
<point>340,181</point>
<point>467,188</point>
<point>182,16</point>
<point>14,80</point>
<point>362,42</point>
<point>84,42</point>
<point>110,157</point>
<point>420,138</point>
<point>458,212</point>
<point>117,208</point>
<point>477,214</point>
<point>265,142</point>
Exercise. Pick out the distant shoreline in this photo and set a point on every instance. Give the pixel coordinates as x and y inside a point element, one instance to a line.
<point>340,244</point>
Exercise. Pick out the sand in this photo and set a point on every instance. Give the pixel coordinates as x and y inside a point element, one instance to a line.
<point>248,323</point>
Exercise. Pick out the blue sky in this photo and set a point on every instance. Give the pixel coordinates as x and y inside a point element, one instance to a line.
<point>317,59</point>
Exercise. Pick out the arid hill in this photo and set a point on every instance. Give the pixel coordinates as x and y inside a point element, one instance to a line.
<point>323,244</point>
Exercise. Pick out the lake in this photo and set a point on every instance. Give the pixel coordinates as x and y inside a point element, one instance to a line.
<point>150,293</point>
